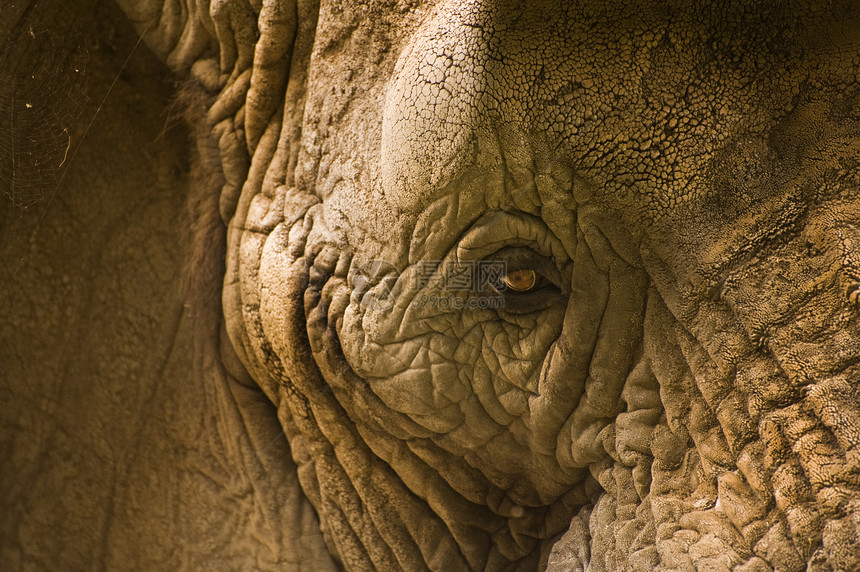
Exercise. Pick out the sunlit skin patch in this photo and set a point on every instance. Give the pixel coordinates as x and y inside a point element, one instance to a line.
<point>520,280</point>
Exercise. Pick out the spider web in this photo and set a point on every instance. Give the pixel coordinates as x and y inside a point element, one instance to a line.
<point>42,93</point>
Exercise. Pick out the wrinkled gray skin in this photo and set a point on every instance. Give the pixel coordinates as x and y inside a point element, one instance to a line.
<point>683,391</point>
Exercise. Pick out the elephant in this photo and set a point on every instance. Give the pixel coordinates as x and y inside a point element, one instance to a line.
<point>434,285</point>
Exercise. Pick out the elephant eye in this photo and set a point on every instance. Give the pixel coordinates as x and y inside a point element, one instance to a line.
<point>520,280</point>
<point>528,282</point>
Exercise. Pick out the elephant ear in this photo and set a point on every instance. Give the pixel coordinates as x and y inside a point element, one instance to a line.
<point>111,452</point>
<point>238,56</point>
<point>244,70</point>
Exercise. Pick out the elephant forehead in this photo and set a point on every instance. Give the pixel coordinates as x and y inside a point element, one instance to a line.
<point>469,74</point>
<point>637,97</point>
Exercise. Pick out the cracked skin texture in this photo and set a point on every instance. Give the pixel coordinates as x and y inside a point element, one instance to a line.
<point>684,396</point>
<point>685,173</point>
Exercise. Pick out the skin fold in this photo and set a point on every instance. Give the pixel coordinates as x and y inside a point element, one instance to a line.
<point>679,389</point>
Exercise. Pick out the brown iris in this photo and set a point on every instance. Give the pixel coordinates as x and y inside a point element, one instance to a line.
<point>520,280</point>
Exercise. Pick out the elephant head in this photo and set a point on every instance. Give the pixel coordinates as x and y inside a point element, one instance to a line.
<point>538,285</point>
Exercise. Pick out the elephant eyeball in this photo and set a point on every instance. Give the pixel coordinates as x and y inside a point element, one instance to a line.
<point>520,280</point>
